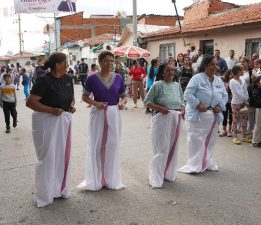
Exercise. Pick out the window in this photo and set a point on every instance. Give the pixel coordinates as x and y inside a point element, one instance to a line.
<point>252,46</point>
<point>207,46</point>
<point>166,50</point>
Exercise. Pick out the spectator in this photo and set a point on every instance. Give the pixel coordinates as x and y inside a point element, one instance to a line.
<point>231,60</point>
<point>221,63</point>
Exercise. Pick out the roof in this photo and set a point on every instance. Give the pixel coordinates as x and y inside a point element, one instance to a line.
<point>244,15</point>
<point>142,30</point>
<point>23,55</point>
<point>156,15</point>
<point>101,39</point>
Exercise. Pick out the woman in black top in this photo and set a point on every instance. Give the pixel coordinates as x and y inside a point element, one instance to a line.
<point>52,99</point>
<point>185,73</point>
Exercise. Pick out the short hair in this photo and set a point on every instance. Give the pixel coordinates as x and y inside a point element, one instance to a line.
<point>237,68</point>
<point>245,58</point>
<point>258,61</point>
<point>217,50</point>
<point>6,75</point>
<point>192,47</point>
<point>104,54</point>
<point>205,61</point>
<point>232,50</point>
<point>82,59</point>
<point>56,57</point>
<point>93,66</point>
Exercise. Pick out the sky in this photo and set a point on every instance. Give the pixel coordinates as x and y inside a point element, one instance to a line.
<point>32,24</point>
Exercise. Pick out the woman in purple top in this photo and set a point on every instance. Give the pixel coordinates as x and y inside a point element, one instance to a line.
<point>102,160</point>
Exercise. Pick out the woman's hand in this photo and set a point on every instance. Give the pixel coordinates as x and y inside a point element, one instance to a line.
<point>101,105</point>
<point>201,107</point>
<point>217,109</point>
<point>57,111</point>
<point>121,106</point>
<point>163,110</point>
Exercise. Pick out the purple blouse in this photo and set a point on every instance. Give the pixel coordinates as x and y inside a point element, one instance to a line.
<point>103,91</point>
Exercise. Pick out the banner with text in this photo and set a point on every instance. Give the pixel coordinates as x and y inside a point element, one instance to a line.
<point>44,6</point>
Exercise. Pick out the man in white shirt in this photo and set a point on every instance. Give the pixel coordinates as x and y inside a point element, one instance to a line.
<point>231,60</point>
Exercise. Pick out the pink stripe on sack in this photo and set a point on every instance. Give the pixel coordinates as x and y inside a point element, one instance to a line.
<point>171,153</point>
<point>204,162</point>
<point>103,147</point>
<point>67,157</point>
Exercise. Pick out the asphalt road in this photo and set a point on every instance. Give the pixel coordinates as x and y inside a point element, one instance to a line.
<point>231,196</point>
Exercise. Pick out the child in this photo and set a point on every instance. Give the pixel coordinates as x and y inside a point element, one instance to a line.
<point>228,113</point>
<point>25,82</point>
<point>240,97</point>
<point>8,101</point>
<point>255,101</point>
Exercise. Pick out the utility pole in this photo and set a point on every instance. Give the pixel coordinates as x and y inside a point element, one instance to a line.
<point>135,23</point>
<point>20,35</point>
<point>55,32</point>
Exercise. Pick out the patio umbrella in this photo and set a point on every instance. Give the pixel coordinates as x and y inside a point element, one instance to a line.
<point>131,52</point>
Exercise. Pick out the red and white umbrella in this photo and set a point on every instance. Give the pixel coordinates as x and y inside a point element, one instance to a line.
<point>131,52</point>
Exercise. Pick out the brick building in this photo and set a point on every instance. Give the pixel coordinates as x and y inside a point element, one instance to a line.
<point>209,25</point>
<point>159,20</point>
<point>75,27</point>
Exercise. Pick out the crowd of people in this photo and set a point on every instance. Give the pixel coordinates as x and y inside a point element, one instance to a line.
<point>206,90</point>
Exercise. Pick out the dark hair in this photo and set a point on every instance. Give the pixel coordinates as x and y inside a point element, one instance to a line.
<point>153,65</point>
<point>205,61</point>
<point>160,72</point>
<point>23,70</point>
<point>245,58</point>
<point>2,70</point>
<point>6,75</point>
<point>226,76</point>
<point>236,69</point>
<point>93,66</point>
<point>53,59</point>
<point>192,48</point>
<point>104,54</point>
<point>134,61</point>
<point>217,50</point>
<point>256,81</point>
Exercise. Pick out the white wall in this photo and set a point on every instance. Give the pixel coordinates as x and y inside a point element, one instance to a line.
<point>224,41</point>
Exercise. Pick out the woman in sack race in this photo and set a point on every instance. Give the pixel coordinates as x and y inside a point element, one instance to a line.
<point>52,99</point>
<point>103,148</point>
<point>166,98</point>
<point>205,97</point>
<point>239,100</point>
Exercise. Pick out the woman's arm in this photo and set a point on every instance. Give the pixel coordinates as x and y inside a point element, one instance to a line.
<point>98,105</point>
<point>33,102</point>
<point>122,103</point>
<point>158,108</point>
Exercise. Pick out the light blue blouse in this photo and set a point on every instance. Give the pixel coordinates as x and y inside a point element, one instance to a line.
<point>200,89</point>
<point>169,95</point>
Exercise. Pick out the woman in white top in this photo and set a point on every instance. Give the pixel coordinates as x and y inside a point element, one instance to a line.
<point>247,76</point>
<point>240,97</point>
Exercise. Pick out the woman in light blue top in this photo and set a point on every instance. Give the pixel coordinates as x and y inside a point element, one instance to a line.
<point>206,98</point>
<point>152,72</point>
<point>166,98</point>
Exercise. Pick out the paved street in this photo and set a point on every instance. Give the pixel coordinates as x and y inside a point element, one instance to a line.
<point>231,196</point>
